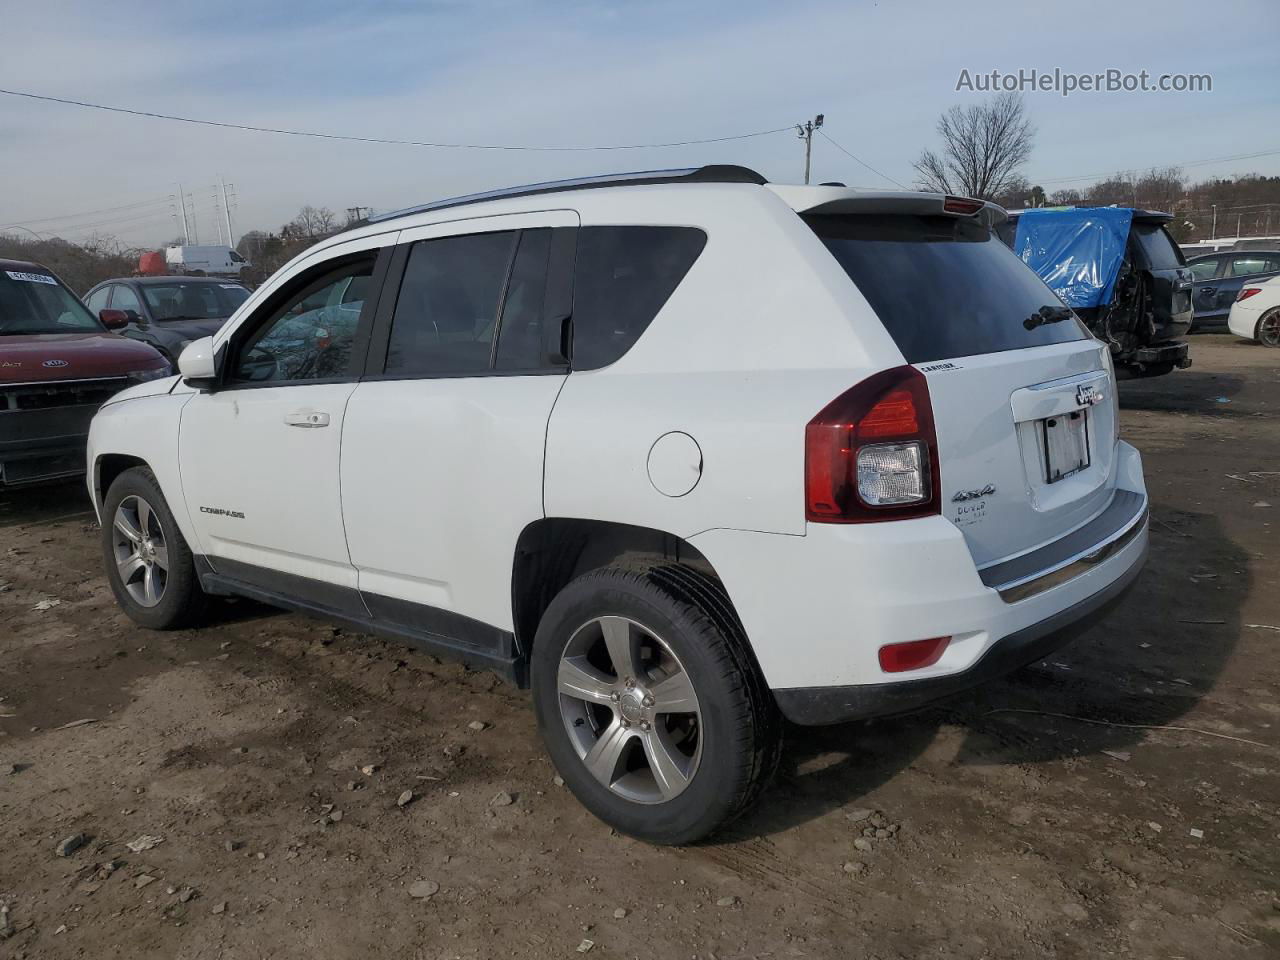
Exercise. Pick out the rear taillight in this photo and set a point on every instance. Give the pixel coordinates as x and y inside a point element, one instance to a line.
<point>1247,292</point>
<point>872,454</point>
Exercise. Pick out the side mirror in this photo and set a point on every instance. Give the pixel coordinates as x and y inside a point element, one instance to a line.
<point>114,319</point>
<point>198,365</point>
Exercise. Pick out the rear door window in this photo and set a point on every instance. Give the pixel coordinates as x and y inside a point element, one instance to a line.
<point>945,287</point>
<point>1252,264</point>
<point>1160,250</point>
<point>520,331</point>
<point>447,312</point>
<point>622,278</point>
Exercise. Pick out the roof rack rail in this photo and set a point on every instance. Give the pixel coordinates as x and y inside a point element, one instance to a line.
<point>714,173</point>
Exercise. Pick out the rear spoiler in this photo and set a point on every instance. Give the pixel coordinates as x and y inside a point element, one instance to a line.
<point>837,200</point>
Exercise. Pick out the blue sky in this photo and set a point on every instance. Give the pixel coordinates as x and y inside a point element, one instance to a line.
<point>604,72</point>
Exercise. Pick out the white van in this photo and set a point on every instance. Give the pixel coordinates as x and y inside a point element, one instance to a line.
<point>205,261</point>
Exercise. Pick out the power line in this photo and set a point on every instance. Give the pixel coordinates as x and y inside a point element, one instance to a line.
<point>90,213</point>
<point>387,140</point>
<point>1188,163</point>
<point>827,137</point>
<point>108,222</point>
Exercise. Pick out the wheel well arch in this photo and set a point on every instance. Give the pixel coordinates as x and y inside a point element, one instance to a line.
<point>105,470</point>
<point>553,551</point>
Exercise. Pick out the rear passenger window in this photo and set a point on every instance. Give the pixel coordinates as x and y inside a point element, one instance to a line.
<point>447,312</point>
<point>622,278</point>
<point>520,333</point>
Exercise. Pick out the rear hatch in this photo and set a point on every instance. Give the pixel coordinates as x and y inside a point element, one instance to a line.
<point>1171,279</point>
<point>1023,397</point>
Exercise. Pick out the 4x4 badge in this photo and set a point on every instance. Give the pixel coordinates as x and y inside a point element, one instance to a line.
<point>1087,395</point>
<point>963,495</point>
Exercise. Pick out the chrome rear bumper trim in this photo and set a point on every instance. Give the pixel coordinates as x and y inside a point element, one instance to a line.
<point>1058,562</point>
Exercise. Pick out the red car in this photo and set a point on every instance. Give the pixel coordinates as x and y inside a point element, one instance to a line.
<point>58,363</point>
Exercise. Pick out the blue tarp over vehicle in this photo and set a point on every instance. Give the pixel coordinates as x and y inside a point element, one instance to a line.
<point>1077,252</point>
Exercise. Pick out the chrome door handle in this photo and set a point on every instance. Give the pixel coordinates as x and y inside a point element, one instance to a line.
<point>307,418</point>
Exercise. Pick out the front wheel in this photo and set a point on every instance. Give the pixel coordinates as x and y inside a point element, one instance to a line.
<point>1268,332</point>
<point>149,565</point>
<point>650,704</point>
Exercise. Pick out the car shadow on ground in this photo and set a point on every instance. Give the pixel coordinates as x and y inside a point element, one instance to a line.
<point>1185,391</point>
<point>44,503</point>
<point>1147,664</point>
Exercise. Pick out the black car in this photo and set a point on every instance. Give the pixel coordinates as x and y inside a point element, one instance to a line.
<point>167,312</point>
<point>1219,277</point>
<point>1120,272</point>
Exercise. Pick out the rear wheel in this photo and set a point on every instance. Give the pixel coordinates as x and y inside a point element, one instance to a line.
<point>149,565</point>
<point>650,704</point>
<point>1268,332</point>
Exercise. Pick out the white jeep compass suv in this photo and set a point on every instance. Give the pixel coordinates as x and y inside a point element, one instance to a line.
<point>685,452</point>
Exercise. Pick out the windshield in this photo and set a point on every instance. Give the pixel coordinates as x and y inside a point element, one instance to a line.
<point>190,300</point>
<point>35,302</point>
<point>945,287</point>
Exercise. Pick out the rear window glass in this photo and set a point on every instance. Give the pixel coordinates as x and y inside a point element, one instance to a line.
<point>945,287</point>
<point>1159,247</point>
<point>622,278</point>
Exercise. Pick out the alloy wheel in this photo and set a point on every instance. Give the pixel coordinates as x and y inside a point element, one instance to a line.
<point>630,710</point>
<point>141,550</point>
<point>1269,329</point>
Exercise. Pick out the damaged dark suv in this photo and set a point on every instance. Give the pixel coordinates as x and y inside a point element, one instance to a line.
<point>1121,273</point>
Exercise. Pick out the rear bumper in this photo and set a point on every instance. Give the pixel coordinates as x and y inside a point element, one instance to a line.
<point>1158,354</point>
<point>1243,320</point>
<point>39,445</point>
<point>816,706</point>
<point>817,608</point>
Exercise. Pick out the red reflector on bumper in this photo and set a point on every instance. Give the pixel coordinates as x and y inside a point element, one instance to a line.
<point>912,655</point>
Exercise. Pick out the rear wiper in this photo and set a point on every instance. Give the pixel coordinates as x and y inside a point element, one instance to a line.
<point>1047,314</point>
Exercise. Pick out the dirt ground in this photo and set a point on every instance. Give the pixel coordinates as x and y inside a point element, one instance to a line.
<point>1122,798</point>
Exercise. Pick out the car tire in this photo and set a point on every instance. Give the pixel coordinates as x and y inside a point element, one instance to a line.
<point>1267,332</point>
<point>666,776</point>
<point>148,562</point>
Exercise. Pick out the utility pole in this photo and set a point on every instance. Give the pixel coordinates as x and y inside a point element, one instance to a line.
<point>1213,232</point>
<point>182,207</point>
<point>355,214</point>
<point>226,213</point>
<point>805,132</point>
<point>217,221</point>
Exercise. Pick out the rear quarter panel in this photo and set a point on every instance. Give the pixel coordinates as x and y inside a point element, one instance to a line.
<point>763,332</point>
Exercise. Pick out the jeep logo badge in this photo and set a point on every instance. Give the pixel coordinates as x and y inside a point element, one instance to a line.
<point>1087,395</point>
<point>55,363</point>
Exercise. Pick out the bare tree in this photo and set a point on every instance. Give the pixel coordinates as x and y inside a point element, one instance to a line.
<point>983,145</point>
<point>311,222</point>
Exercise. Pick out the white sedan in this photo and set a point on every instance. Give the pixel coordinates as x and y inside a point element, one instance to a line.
<point>1256,313</point>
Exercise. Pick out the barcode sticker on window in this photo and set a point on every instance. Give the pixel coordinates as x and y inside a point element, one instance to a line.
<point>31,277</point>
